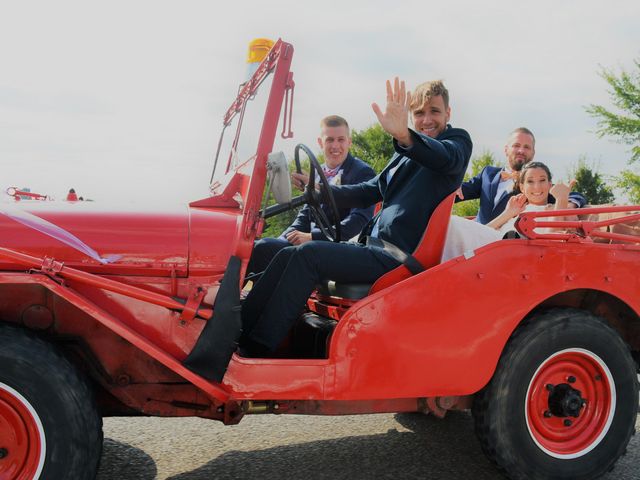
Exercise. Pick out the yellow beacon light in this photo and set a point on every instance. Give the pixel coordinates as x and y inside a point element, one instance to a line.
<point>258,49</point>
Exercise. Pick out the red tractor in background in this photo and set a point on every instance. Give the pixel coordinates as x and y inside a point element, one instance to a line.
<point>22,194</point>
<point>106,313</point>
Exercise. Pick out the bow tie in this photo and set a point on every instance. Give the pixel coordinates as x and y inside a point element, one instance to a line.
<point>330,172</point>
<point>504,175</point>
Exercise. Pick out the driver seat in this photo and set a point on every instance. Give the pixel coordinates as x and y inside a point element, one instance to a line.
<point>428,253</point>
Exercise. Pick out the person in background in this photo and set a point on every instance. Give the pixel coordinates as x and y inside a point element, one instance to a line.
<point>494,186</point>
<point>72,196</point>
<point>533,192</point>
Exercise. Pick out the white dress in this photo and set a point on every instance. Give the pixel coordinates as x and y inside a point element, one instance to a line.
<point>468,235</point>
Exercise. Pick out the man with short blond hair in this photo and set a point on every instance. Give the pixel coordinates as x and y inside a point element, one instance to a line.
<point>340,168</point>
<point>334,121</point>
<point>427,90</point>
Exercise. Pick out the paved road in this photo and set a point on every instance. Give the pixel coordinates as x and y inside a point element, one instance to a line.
<point>402,446</point>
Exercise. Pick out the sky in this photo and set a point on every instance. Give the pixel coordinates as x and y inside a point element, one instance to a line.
<point>125,99</point>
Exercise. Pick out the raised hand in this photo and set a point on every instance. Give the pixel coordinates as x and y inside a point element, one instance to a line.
<point>516,205</point>
<point>560,190</point>
<point>395,119</point>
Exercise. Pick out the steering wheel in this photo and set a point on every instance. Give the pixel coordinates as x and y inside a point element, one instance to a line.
<point>314,198</point>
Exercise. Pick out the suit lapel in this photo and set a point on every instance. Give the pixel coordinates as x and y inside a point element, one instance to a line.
<point>346,169</point>
<point>493,190</point>
<point>384,184</point>
<point>399,166</point>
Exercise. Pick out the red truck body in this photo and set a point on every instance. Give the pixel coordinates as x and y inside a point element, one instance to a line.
<point>123,296</point>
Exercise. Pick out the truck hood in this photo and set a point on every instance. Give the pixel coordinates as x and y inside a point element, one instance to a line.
<point>96,238</point>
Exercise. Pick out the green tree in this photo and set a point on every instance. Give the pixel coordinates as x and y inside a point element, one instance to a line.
<point>373,145</point>
<point>469,208</point>
<point>278,223</point>
<point>624,126</point>
<point>591,184</point>
<point>625,95</point>
<point>629,183</point>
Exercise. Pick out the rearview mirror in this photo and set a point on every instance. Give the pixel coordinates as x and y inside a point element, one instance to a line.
<point>278,175</point>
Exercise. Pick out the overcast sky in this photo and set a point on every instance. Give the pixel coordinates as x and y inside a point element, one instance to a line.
<point>124,99</point>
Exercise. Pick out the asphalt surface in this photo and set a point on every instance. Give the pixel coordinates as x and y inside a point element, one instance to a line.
<point>384,446</point>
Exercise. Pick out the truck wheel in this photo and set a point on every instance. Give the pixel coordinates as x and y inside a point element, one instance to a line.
<point>49,425</point>
<point>563,401</point>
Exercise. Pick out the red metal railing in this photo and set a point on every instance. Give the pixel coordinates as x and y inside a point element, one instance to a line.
<point>579,230</point>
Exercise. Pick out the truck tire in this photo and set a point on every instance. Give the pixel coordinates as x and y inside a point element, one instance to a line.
<point>563,401</point>
<point>49,425</point>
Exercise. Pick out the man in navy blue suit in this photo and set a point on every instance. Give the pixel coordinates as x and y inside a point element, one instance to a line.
<point>340,168</point>
<point>494,185</point>
<point>428,164</point>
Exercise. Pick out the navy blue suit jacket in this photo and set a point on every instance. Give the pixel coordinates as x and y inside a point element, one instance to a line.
<point>352,220</point>
<point>485,185</point>
<point>427,172</point>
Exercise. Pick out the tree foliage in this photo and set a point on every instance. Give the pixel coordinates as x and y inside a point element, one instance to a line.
<point>372,145</point>
<point>591,184</point>
<point>479,162</point>
<point>278,223</point>
<point>625,94</point>
<point>629,183</point>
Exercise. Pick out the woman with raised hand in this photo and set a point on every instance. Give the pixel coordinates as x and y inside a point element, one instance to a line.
<point>534,185</point>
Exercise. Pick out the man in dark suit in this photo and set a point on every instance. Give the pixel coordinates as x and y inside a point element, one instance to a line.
<point>494,185</point>
<point>340,168</point>
<point>428,165</point>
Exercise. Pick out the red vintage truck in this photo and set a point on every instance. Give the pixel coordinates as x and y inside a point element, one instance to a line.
<point>106,313</point>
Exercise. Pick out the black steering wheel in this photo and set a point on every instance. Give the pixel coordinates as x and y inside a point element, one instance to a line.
<point>314,198</point>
